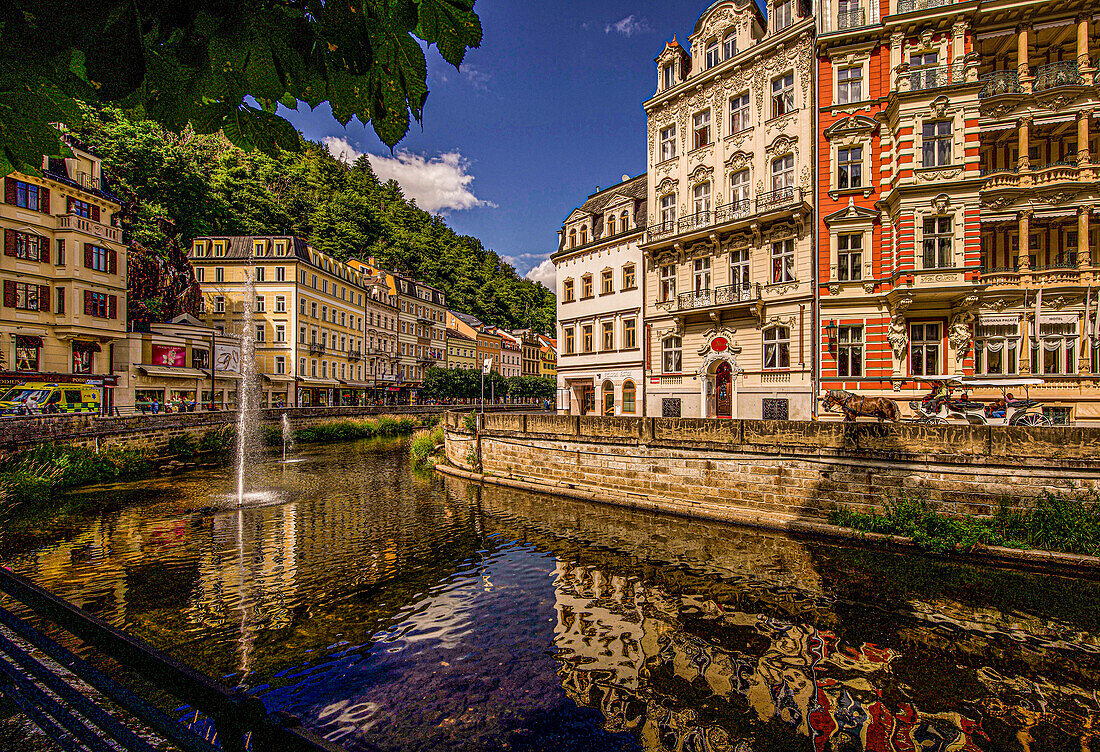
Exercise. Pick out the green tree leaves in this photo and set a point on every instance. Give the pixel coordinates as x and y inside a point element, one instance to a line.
<point>205,62</point>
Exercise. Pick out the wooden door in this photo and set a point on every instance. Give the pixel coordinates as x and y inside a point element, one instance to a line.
<point>723,391</point>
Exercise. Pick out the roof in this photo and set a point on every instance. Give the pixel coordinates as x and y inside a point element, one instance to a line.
<point>455,334</point>
<point>635,188</point>
<point>240,246</point>
<point>466,318</point>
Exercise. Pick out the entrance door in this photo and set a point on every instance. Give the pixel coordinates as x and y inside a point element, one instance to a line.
<point>588,400</point>
<point>723,391</point>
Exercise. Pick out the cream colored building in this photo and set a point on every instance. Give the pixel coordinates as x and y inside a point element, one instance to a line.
<point>461,351</point>
<point>63,275</point>
<point>729,273</point>
<point>422,338</point>
<point>308,309</point>
<point>599,303</point>
<point>380,337</point>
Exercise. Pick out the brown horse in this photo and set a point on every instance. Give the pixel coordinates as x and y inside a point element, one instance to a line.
<point>853,405</point>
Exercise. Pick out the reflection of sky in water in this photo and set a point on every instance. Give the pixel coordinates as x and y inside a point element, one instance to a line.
<point>402,611</point>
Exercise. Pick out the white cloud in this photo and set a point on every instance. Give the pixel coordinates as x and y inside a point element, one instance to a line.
<point>438,184</point>
<point>477,77</point>
<point>545,273</point>
<point>628,26</point>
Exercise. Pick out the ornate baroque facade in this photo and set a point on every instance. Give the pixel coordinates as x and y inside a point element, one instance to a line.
<point>728,250</point>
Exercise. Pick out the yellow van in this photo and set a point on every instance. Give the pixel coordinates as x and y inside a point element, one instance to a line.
<point>50,399</point>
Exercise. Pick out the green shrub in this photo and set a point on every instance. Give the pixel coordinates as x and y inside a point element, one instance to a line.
<point>183,445</point>
<point>469,422</point>
<point>218,440</point>
<point>422,446</point>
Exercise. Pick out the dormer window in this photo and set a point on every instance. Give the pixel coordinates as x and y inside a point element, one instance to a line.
<point>624,221</point>
<point>783,14</point>
<point>572,238</point>
<point>668,75</point>
<point>611,224</point>
<point>584,234</point>
<point>712,54</point>
<point>729,46</point>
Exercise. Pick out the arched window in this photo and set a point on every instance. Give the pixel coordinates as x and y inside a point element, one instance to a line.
<point>608,398</point>
<point>584,234</point>
<point>572,238</point>
<point>624,222</point>
<point>611,224</point>
<point>629,397</point>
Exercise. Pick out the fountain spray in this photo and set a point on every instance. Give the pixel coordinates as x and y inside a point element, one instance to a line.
<point>288,437</point>
<point>246,418</point>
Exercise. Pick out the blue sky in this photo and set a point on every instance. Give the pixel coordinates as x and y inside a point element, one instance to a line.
<point>547,109</point>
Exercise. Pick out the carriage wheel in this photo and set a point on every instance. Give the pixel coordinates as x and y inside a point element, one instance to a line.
<point>1031,419</point>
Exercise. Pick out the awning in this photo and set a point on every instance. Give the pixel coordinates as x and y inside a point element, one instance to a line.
<point>358,384</point>
<point>169,372</point>
<point>277,378</point>
<point>227,375</point>
<point>326,383</point>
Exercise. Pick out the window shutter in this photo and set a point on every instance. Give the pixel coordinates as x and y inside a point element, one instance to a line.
<point>44,200</point>
<point>9,293</point>
<point>44,250</point>
<point>9,242</point>
<point>87,302</point>
<point>9,190</point>
<point>87,255</point>
<point>44,298</point>
<point>95,213</point>
<point>112,261</point>
<point>112,307</point>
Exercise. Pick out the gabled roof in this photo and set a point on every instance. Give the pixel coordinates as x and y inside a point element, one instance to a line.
<point>852,213</point>
<point>633,190</point>
<point>851,124</point>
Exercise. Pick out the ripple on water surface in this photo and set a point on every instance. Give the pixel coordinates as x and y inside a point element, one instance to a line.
<point>395,610</point>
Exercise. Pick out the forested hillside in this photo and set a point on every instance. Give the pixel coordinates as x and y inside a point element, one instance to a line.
<point>204,185</point>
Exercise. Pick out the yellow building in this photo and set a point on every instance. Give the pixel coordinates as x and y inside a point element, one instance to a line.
<point>309,315</point>
<point>548,357</point>
<point>63,274</point>
<point>461,351</point>
<point>380,337</point>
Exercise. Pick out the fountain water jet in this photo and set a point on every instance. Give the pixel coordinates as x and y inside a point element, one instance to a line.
<point>246,408</point>
<point>288,436</point>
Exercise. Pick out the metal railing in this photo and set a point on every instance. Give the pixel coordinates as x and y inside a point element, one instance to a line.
<point>317,348</point>
<point>355,355</point>
<point>1000,82</point>
<point>662,229</point>
<point>781,197</point>
<point>908,6</point>
<point>922,79</point>
<point>1065,73</point>
<point>32,677</point>
<point>694,221</point>
<point>733,211</point>
<point>725,295</point>
<point>851,19</point>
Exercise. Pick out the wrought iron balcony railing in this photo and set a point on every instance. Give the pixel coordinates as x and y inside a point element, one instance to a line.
<point>1065,73</point>
<point>779,198</point>
<point>733,211</point>
<point>725,295</point>
<point>662,229</point>
<point>317,348</point>
<point>922,79</point>
<point>851,19</point>
<point>355,355</point>
<point>908,6</point>
<point>998,83</point>
<point>694,221</point>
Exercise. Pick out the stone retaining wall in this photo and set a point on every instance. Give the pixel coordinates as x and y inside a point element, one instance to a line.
<point>782,469</point>
<point>154,431</point>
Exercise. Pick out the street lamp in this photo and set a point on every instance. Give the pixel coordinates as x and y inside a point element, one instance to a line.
<point>830,332</point>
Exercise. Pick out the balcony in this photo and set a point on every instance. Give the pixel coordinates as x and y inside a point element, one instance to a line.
<point>355,355</point>
<point>426,322</point>
<point>1000,83</point>
<point>924,79</point>
<point>719,296</point>
<point>851,19</point>
<point>781,198</point>
<point>662,230</point>
<point>696,221</point>
<point>317,348</point>
<point>733,211</point>
<point>1042,176</point>
<point>75,222</point>
<point>908,6</point>
<point>1057,74</point>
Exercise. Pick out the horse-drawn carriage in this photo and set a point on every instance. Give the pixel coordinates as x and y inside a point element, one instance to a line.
<point>940,407</point>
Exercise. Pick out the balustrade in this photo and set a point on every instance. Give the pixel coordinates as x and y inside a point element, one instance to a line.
<point>725,295</point>
<point>1000,83</point>
<point>1065,73</point>
<point>851,19</point>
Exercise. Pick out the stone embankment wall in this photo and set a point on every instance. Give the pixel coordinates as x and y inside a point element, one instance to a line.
<point>764,472</point>
<point>153,431</point>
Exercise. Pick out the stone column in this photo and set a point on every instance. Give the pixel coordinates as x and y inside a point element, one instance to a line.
<point>1023,66</point>
<point>1025,343</point>
<point>1084,155</point>
<point>1084,64</point>
<point>1023,144</point>
<point>1084,253</point>
<point>1024,262</point>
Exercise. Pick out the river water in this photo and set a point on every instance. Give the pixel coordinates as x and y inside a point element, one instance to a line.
<point>397,610</point>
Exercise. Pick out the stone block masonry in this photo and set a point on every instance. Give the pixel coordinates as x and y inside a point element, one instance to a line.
<point>779,470</point>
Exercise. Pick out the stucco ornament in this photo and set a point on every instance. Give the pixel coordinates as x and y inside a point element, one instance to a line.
<point>898,334</point>
<point>961,333</point>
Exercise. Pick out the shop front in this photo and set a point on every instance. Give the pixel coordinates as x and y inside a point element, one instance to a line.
<point>167,389</point>
<point>278,391</point>
<point>317,392</point>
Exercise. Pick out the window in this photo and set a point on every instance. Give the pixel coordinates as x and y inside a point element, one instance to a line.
<point>924,349</point>
<point>668,208</point>
<point>713,54</point>
<point>219,274</point>
<point>280,304</point>
<point>219,304</point>
<point>938,243</point>
<point>624,221</point>
<point>608,335</point>
<point>729,46</point>
<point>1055,349</point>
<point>586,338</point>
<point>701,268</point>
<point>849,168</point>
<point>936,150</point>
<point>630,398</point>
<point>260,304</point>
<point>783,172</point>
<point>630,280</point>
<point>923,70</point>
<point>668,142</point>
<point>700,128</point>
<point>280,274</point>
<point>61,300</point>
<point>586,286</point>
<point>567,291</point>
<point>200,274</point>
<point>849,356</point>
<point>97,258</point>
<point>782,95</point>
<point>671,352</point>
<point>25,246</point>
<point>60,253</point>
<point>995,348</point>
<point>739,113</point>
<point>739,268</point>
<point>849,82</point>
<point>259,274</point>
<point>783,14</point>
<point>701,198</point>
<point>98,304</point>
<point>607,282</point>
<point>668,74</point>
<point>280,365</point>
<point>280,332</point>
<point>668,282</point>
<point>261,333</point>
<point>849,257</point>
<point>783,261</point>
<point>584,234</point>
<point>610,225</point>
<point>739,187</point>
<point>313,309</point>
<point>219,249</point>
<point>83,357</point>
<point>630,334</point>
<point>30,196</point>
<point>777,347</point>
<point>27,296</point>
